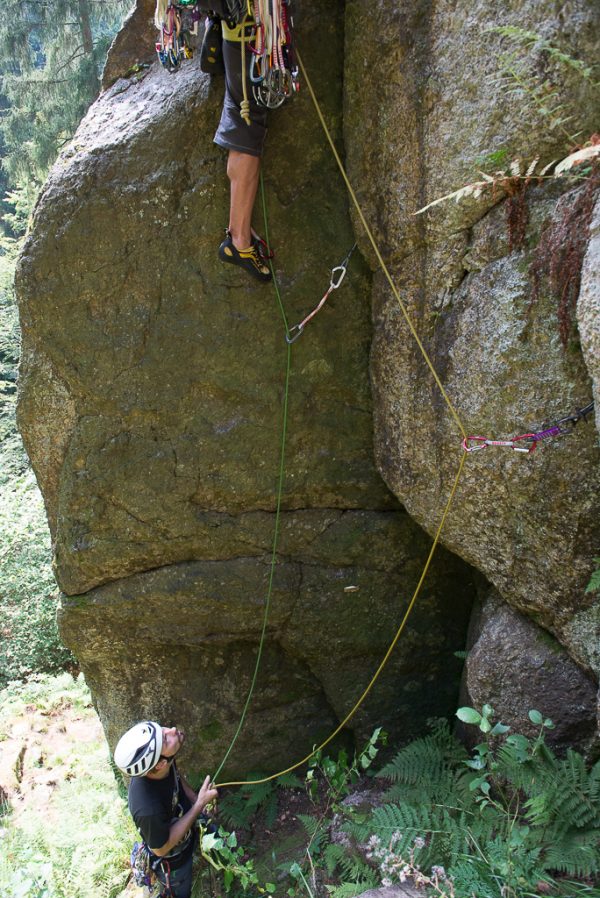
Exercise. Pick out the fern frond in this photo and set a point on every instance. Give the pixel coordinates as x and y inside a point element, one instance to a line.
<point>575,854</point>
<point>311,824</point>
<point>333,854</point>
<point>354,869</point>
<point>351,889</point>
<point>427,760</point>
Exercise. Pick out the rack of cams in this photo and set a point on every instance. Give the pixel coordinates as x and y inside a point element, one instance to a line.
<point>273,67</point>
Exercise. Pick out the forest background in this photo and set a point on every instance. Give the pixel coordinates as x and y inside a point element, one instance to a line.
<point>52,53</point>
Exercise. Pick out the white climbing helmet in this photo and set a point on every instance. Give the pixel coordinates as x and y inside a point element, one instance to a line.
<point>138,750</point>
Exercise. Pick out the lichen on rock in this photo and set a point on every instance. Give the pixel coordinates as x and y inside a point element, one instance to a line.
<point>152,388</point>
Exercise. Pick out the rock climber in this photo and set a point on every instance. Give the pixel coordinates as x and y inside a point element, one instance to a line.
<point>162,803</point>
<point>244,143</point>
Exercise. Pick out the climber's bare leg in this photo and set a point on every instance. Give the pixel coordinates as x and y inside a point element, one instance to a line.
<point>243,172</point>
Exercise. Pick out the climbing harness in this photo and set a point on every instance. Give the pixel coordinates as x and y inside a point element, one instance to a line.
<point>273,69</point>
<point>562,427</point>
<point>337,276</point>
<point>266,23</point>
<point>177,21</point>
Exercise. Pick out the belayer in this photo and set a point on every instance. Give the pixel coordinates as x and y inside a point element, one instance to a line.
<point>254,49</point>
<point>163,805</point>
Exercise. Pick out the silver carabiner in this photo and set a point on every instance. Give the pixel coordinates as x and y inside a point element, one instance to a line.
<point>335,283</point>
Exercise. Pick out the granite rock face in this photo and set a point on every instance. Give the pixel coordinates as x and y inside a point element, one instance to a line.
<point>588,309</point>
<point>153,382</point>
<point>152,394</point>
<point>529,523</point>
<point>516,666</point>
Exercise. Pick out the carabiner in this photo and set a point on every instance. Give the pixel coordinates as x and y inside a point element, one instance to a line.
<point>333,283</point>
<point>467,440</point>
<point>288,337</point>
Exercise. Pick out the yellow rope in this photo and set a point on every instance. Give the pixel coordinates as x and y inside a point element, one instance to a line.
<point>245,104</point>
<point>351,714</point>
<point>384,267</point>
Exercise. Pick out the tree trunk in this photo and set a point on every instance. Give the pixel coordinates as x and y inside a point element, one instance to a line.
<point>86,26</point>
<point>88,44</point>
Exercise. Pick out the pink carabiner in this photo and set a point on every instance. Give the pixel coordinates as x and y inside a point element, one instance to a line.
<point>467,440</point>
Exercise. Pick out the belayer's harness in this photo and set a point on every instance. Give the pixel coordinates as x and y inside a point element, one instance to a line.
<point>144,863</point>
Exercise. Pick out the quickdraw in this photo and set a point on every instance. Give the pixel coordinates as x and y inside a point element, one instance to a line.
<point>273,69</point>
<point>337,276</point>
<point>562,427</point>
<point>176,22</point>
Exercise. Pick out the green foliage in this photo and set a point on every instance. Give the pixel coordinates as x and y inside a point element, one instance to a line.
<point>432,759</point>
<point>75,843</point>
<point>339,773</point>
<point>328,782</point>
<point>240,806</point>
<point>501,821</point>
<point>52,53</point>
<point>522,79</point>
<point>46,693</point>
<point>30,640</point>
<point>222,851</point>
<point>594,584</point>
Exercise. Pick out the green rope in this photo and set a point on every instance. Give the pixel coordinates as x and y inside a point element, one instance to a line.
<point>278,502</point>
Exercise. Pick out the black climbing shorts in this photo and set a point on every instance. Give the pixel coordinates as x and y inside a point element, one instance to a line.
<point>233,133</point>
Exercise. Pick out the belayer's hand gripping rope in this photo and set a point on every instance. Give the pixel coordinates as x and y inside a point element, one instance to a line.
<point>337,276</point>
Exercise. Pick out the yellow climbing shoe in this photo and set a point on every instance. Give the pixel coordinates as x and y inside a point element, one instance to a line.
<point>249,259</point>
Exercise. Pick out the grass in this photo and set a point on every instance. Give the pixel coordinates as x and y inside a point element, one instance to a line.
<point>66,832</point>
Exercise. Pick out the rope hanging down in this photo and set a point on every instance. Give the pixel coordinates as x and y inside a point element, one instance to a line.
<point>281,476</point>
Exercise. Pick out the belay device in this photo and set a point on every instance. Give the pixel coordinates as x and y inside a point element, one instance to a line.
<point>273,67</point>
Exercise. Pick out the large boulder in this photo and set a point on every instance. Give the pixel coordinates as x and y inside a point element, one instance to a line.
<point>153,381</point>
<point>151,401</point>
<point>430,85</point>
<point>516,666</point>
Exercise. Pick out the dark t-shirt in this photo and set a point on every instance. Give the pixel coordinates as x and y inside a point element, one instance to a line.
<point>154,806</point>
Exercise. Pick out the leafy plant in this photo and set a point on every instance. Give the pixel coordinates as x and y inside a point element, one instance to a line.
<point>594,584</point>
<point>520,173</point>
<point>74,842</point>
<point>240,806</point>
<point>222,852</point>
<point>530,89</point>
<point>30,640</point>
<point>509,819</point>
<point>328,782</point>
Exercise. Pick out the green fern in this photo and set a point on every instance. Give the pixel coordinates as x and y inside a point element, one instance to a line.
<point>349,866</point>
<point>511,817</point>
<point>239,808</point>
<point>351,889</point>
<point>426,760</point>
<point>333,855</point>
